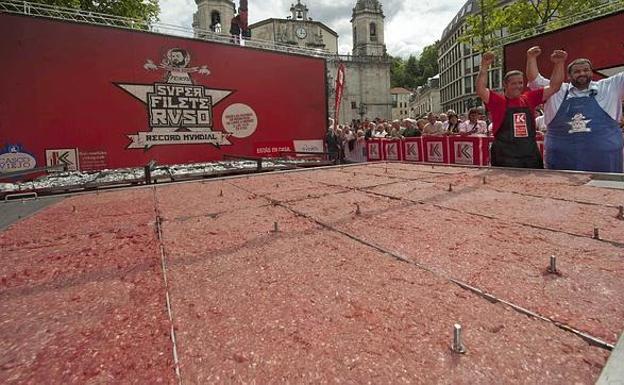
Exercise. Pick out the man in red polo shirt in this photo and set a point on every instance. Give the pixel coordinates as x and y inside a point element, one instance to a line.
<point>513,114</point>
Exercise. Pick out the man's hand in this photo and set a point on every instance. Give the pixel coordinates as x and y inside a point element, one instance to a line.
<point>488,58</point>
<point>534,52</point>
<point>558,56</point>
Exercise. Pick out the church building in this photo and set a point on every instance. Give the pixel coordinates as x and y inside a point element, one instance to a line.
<point>366,92</point>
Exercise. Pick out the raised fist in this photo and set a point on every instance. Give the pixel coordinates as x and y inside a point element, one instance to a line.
<point>488,58</point>
<point>534,52</point>
<point>558,56</point>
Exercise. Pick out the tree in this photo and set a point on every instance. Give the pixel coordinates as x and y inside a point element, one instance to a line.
<point>397,72</point>
<point>145,10</point>
<point>428,63</point>
<point>412,72</point>
<point>483,29</point>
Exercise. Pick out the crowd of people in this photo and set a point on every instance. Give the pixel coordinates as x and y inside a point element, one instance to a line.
<point>348,141</point>
<point>582,120</point>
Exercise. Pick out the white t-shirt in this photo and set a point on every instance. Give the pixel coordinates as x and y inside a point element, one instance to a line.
<point>467,126</point>
<point>609,93</point>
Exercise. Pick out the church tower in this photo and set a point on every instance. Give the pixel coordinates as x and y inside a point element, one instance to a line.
<point>214,15</point>
<point>368,29</point>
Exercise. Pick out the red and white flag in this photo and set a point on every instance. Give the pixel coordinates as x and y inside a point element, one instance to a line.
<point>340,82</point>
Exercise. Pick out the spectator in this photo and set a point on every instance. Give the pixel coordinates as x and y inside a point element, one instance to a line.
<point>433,126</point>
<point>473,125</point>
<point>412,129</point>
<point>454,124</point>
<point>444,120</point>
<point>379,131</point>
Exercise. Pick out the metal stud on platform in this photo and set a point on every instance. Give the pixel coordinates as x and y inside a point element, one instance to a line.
<point>620,215</point>
<point>275,227</point>
<point>357,209</point>
<point>552,267</point>
<point>221,193</point>
<point>596,233</point>
<point>458,346</point>
<point>450,189</point>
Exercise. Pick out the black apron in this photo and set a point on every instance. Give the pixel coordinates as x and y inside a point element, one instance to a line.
<point>515,145</point>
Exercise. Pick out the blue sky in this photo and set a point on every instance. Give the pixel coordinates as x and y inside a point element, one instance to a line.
<point>410,24</point>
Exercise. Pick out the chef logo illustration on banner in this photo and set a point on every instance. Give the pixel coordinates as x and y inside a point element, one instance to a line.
<point>181,112</point>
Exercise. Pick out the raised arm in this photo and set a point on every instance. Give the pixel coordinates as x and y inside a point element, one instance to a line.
<point>558,57</point>
<point>482,90</point>
<point>532,69</point>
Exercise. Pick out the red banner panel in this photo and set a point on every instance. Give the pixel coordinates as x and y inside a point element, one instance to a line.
<point>465,150</point>
<point>435,149</point>
<point>486,145</point>
<point>373,150</point>
<point>392,149</point>
<point>93,97</point>
<point>598,40</point>
<point>412,150</point>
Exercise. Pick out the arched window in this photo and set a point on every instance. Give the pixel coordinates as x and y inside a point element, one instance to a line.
<point>373,32</point>
<point>215,21</point>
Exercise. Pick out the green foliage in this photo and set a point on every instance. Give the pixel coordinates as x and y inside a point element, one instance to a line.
<point>414,72</point>
<point>484,29</point>
<point>146,10</point>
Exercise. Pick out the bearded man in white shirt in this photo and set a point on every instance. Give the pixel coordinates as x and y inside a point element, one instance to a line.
<point>582,118</point>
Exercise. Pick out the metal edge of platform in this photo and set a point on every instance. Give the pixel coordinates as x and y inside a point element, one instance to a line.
<point>595,176</point>
<point>613,372</point>
<point>17,210</point>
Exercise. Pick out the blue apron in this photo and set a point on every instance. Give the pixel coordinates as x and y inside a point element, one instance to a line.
<point>583,137</point>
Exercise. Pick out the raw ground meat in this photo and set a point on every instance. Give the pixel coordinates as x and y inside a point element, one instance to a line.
<point>83,298</point>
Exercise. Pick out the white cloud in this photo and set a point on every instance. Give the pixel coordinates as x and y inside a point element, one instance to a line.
<point>410,25</point>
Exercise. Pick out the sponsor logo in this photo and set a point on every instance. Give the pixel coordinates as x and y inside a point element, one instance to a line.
<point>464,153</point>
<point>181,112</point>
<point>373,151</point>
<point>520,125</point>
<point>308,145</point>
<point>392,152</point>
<point>412,152</point>
<point>14,158</point>
<point>434,152</point>
<point>62,157</point>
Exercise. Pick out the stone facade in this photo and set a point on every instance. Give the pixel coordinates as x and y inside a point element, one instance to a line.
<point>367,73</point>
<point>400,103</point>
<point>211,12</point>
<point>427,99</point>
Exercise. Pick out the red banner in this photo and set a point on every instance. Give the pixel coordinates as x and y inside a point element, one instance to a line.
<point>412,149</point>
<point>436,149</point>
<point>465,150</point>
<point>373,149</point>
<point>111,98</point>
<point>340,81</point>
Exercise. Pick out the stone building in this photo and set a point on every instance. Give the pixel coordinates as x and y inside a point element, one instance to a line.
<point>400,103</point>
<point>427,98</point>
<point>297,30</point>
<point>367,74</point>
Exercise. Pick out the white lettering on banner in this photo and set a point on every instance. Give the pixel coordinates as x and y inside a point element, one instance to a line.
<point>464,153</point>
<point>180,112</point>
<point>412,151</point>
<point>434,152</point>
<point>147,139</point>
